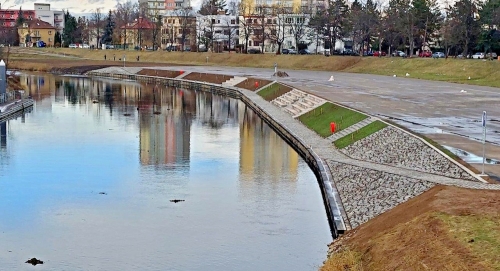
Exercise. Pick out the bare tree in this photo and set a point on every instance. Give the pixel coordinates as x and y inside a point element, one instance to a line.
<point>299,28</point>
<point>230,31</point>
<point>125,12</point>
<point>187,22</point>
<point>245,20</point>
<point>97,24</point>
<point>276,22</point>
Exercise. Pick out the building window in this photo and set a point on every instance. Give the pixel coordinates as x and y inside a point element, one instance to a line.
<point>50,39</point>
<point>213,21</point>
<point>269,21</point>
<point>233,21</point>
<point>218,21</point>
<point>249,43</point>
<point>50,32</point>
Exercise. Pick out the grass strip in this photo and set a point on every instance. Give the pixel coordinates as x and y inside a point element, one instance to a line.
<point>273,91</point>
<point>320,118</point>
<point>359,134</point>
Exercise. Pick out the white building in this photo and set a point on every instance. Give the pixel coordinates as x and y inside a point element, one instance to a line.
<point>53,17</point>
<point>219,32</point>
<point>292,29</point>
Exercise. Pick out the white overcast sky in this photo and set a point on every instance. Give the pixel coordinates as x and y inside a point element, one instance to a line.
<point>74,6</point>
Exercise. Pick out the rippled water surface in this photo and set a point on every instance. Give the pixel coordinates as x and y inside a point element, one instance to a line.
<point>87,177</point>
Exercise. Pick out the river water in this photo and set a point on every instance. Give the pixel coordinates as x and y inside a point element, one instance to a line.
<point>87,179</point>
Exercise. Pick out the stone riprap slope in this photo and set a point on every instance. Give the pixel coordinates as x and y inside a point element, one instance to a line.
<point>395,147</point>
<point>367,193</point>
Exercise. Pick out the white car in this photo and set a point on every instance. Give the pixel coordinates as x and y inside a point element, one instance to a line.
<point>85,46</point>
<point>73,45</point>
<point>478,55</point>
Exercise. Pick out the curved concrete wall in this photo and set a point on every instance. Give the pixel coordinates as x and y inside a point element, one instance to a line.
<point>319,166</point>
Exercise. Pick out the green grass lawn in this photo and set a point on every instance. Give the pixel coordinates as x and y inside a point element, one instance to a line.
<point>320,118</point>
<point>273,91</point>
<point>359,134</point>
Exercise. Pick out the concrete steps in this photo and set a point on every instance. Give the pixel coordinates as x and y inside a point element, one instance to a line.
<point>297,102</point>
<point>234,81</point>
<point>351,129</point>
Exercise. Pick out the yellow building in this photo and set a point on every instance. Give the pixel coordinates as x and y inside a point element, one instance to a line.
<point>36,30</point>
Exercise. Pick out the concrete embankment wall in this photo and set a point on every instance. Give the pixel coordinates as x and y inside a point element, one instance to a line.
<point>319,166</point>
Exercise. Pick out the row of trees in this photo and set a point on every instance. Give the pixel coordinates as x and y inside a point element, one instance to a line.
<point>408,25</point>
<point>465,26</point>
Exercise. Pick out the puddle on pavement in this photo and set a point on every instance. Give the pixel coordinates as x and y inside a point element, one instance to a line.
<point>470,157</point>
<point>467,127</point>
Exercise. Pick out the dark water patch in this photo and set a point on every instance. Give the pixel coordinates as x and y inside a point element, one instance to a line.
<point>34,261</point>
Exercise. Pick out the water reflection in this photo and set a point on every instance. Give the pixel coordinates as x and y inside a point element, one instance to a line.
<point>248,194</point>
<point>3,135</point>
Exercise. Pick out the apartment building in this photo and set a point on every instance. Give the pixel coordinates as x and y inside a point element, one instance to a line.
<point>53,17</point>
<point>218,32</point>
<point>156,7</point>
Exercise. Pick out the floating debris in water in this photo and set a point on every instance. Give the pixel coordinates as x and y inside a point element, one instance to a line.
<point>176,200</point>
<point>103,193</point>
<point>34,261</point>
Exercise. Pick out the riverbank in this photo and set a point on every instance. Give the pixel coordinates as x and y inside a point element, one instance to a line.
<point>374,190</point>
<point>483,73</point>
<point>445,228</point>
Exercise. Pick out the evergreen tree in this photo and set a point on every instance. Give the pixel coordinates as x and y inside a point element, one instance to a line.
<point>70,29</point>
<point>57,38</point>
<point>107,37</point>
<point>20,18</point>
<point>466,27</point>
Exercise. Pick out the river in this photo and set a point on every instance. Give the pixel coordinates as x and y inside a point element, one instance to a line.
<point>87,180</point>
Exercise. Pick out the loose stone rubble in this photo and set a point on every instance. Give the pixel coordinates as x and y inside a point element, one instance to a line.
<point>367,193</point>
<point>392,146</point>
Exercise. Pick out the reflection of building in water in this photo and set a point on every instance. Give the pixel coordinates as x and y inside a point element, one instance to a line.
<point>216,110</point>
<point>262,151</point>
<point>3,134</point>
<point>38,87</point>
<point>165,121</point>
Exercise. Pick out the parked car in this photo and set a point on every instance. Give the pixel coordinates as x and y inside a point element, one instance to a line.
<point>399,53</point>
<point>73,46</point>
<point>110,46</point>
<point>438,55</point>
<point>379,53</point>
<point>292,51</point>
<point>491,55</point>
<point>40,43</point>
<point>478,55</point>
<point>85,46</point>
<point>304,52</point>
<point>253,51</point>
<point>425,54</point>
<point>284,51</point>
<point>170,48</point>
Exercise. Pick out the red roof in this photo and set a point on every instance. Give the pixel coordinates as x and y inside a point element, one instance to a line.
<point>37,23</point>
<point>140,23</point>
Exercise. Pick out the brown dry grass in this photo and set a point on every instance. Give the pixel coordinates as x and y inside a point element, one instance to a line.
<point>417,235</point>
<point>160,73</point>
<point>452,70</point>
<point>208,77</point>
<point>250,83</point>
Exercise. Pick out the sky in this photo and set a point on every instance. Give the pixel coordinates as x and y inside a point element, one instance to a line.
<point>74,6</point>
